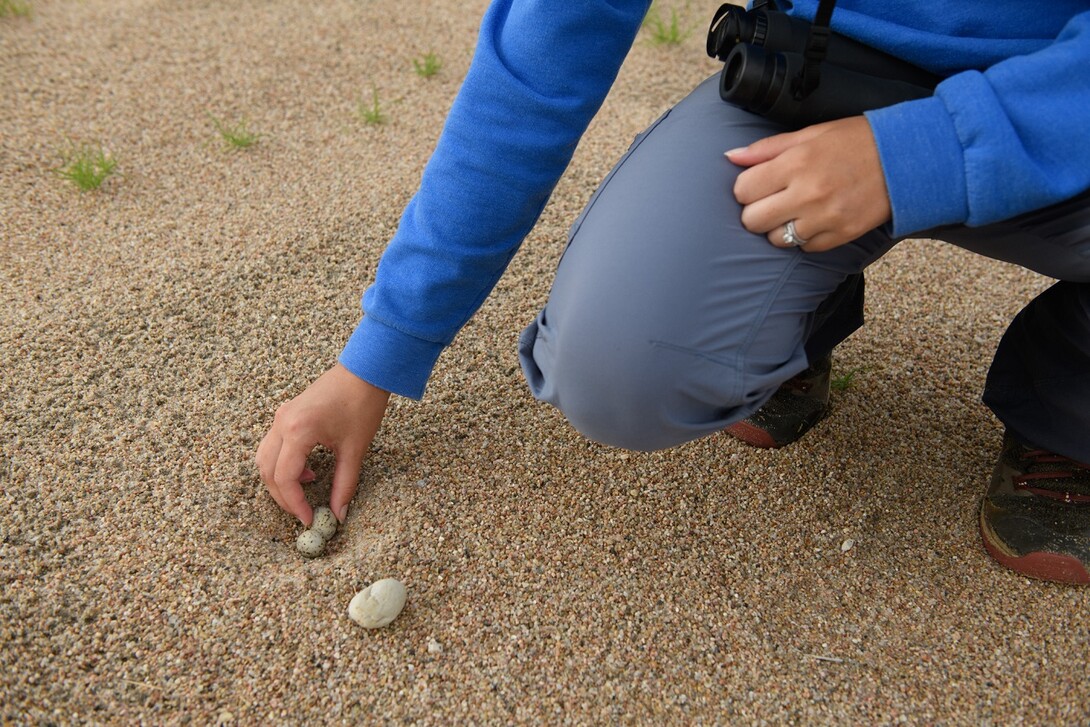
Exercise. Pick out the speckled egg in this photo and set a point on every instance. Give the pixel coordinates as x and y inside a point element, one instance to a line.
<point>325,522</point>
<point>378,604</point>
<point>310,543</point>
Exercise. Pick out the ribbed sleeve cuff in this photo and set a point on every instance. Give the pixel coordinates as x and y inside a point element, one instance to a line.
<point>924,165</point>
<point>389,359</point>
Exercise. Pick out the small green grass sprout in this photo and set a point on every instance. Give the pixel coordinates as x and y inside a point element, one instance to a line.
<point>237,135</point>
<point>87,167</point>
<point>14,8</point>
<point>665,33</point>
<point>428,65</point>
<point>371,114</point>
<point>844,381</point>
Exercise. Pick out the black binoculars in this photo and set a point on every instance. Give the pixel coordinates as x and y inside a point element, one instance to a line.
<point>764,54</point>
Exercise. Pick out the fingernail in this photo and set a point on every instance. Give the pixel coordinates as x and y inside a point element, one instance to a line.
<point>342,513</point>
<point>728,154</point>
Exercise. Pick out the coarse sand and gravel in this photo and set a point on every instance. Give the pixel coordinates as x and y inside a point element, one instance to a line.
<point>151,328</point>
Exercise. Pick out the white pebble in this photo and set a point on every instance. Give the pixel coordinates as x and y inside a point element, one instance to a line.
<point>434,647</point>
<point>310,544</point>
<point>847,545</point>
<point>325,522</point>
<point>378,604</point>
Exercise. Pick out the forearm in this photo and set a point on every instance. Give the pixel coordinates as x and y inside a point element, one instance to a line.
<point>989,146</point>
<point>540,72</point>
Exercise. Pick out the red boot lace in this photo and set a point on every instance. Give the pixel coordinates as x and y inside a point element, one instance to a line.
<point>1053,467</point>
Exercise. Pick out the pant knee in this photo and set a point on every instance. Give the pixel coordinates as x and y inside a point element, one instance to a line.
<point>637,394</point>
<point>629,409</point>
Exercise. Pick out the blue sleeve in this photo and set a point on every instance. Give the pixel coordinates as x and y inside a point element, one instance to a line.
<point>539,74</point>
<point>991,145</point>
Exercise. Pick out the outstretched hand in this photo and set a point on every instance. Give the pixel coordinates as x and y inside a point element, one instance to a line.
<point>826,177</point>
<point>339,411</point>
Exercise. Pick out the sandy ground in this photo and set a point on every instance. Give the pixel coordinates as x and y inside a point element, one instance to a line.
<point>151,328</point>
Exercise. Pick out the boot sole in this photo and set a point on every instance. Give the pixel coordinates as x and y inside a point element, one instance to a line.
<point>1042,565</point>
<point>751,435</point>
<point>755,436</point>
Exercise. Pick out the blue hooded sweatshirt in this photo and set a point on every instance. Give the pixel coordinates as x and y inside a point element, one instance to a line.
<point>1004,133</point>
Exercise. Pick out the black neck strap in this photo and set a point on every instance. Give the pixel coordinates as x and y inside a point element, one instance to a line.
<point>817,43</point>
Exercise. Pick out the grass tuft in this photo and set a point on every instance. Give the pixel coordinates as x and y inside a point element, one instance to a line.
<point>844,381</point>
<point>14,8</point>
<point>371,114</point>
<point>237,135</point>
<point>663,32</point>
<point>87,167</point>
<point>428,65</point>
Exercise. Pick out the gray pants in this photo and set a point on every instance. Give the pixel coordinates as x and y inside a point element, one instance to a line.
<point>668,321</point>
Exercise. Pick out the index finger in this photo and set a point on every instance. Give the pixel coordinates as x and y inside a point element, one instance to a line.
<point>267,453</point>
<point>771,147</point>
<point>762,150</point>
<point>290,466</point>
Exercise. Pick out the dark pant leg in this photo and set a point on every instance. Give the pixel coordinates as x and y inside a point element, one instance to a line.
<point>1039,383</point>
<point>838,316</point>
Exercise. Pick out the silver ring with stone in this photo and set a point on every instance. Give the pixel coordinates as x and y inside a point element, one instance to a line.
<point>791,237</point>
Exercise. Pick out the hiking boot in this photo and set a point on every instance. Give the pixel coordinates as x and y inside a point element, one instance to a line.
<point>1035,517</point>
<point>797,405</point>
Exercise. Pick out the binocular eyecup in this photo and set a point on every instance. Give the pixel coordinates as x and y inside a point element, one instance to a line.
<point>763,54</point>
<point>764,82</point>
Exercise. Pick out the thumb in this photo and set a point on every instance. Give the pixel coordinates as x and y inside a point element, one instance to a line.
<point>346,478</point>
